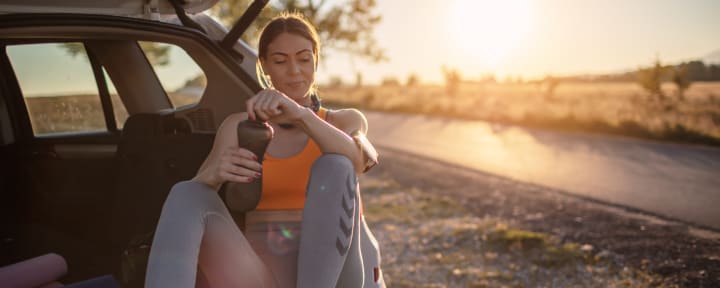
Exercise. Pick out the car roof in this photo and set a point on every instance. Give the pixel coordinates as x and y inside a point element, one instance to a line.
<point>132,8</point>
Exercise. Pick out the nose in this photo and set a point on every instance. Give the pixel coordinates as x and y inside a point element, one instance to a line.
<point>294,67</point>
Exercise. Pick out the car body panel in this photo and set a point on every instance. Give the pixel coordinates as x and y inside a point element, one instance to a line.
<point>104,7</point>
<point>86,194</point>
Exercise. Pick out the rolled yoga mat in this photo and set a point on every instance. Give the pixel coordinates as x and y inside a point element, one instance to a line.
<point>40,271</point>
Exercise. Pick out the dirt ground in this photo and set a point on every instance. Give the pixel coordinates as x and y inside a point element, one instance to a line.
<point>441,225</point>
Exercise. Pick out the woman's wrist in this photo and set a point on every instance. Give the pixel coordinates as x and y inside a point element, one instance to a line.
<point>207,180</point>
<point>306,116</point>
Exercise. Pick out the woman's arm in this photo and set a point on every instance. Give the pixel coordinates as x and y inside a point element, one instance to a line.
<point>333,136</point>
<point>226,161</point>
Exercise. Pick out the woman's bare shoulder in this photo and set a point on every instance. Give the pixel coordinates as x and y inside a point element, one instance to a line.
<point>348,119</point>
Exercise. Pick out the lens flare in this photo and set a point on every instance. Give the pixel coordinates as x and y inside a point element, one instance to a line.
<point>281,239</point>
<point>286,232</point>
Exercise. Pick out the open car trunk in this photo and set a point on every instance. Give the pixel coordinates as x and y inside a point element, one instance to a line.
<point>87,191</point>
<point>133,8</point>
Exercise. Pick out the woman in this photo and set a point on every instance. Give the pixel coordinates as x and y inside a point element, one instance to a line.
<point>196,232</point>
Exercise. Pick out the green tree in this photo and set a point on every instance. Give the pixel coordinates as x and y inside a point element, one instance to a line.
<point>681,80</point>
<point>345,26</point>
<point>452,80</point>
<point>229,11</point>
<point>551,84</point>
<point>412,80</point>
<point>651,79</point>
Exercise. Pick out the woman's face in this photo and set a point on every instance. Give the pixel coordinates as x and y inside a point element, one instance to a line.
<point>290,63</point>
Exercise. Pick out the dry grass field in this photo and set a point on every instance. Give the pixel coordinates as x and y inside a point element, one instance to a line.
<point>74,113</point>
<point>614,107</point>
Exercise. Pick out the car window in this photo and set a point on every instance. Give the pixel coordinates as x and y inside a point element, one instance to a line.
<point>183,80</point>
<point>119,110</point>
<point>59,87</point>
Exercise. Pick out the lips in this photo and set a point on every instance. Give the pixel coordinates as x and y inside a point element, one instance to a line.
<point>296,84</point>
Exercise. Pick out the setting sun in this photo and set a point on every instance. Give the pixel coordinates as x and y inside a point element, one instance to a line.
<point>487,30</point>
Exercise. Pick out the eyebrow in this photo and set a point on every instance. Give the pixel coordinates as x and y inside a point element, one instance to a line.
<point>285,54</point>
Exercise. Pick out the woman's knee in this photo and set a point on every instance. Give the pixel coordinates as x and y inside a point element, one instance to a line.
<point>190,194</point>
<point>333,180</point>
<point>332,163</point>
<point>332,171</point>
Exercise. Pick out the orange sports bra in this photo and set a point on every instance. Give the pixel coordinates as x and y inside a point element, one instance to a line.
<point>284,180</point>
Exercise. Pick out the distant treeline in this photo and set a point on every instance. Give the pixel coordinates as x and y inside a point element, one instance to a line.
<point>694,71</point>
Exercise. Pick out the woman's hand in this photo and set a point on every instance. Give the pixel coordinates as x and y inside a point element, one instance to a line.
<point>274,106</point>
<point>232,164</point>
<point>238,165</point>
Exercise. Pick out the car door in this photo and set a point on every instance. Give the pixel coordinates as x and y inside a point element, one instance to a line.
<point>75,179</point>
<point>62,153</point>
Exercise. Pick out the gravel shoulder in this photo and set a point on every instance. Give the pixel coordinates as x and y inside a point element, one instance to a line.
<point>443,225</point>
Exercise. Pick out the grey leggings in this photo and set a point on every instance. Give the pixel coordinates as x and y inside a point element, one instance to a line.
<point>197,234</point>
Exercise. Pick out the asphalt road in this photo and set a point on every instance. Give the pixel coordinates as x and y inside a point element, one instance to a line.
<point>675,181</point>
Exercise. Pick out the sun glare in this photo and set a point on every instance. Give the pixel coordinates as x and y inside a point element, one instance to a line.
<point>488,30</point>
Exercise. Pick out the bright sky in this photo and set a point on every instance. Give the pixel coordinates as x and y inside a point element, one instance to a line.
<point>526,38</point>
<point>532,38</point>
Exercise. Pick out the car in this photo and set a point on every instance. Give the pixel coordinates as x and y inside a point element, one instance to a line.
<point>104,105</point>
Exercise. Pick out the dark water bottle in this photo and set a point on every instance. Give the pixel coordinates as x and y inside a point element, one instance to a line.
<point>254,136</point>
